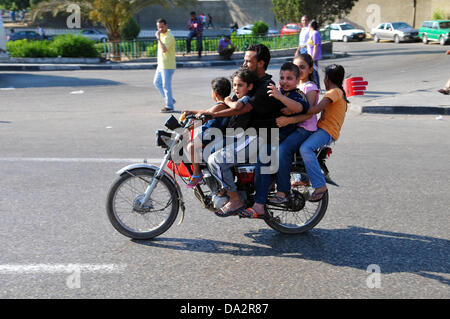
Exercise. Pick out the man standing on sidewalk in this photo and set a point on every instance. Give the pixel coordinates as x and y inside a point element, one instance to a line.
<point>166,64</point>
<point>303,37</point>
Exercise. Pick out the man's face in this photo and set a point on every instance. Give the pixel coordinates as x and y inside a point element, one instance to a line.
<point>305,21</point>
<point>162,27</point>
<point>251,61</point>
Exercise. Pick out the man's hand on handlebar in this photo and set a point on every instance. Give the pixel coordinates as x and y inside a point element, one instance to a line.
<point>204,114</point>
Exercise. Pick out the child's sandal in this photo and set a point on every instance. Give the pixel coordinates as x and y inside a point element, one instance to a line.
<point>195,180</point>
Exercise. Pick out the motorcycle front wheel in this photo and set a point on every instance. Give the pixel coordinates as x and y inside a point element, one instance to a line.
<point>305,216</point>
<point>137,221</point>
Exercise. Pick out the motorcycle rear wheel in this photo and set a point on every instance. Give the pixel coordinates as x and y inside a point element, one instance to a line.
<point>289,221</point>
<point>146,222</point>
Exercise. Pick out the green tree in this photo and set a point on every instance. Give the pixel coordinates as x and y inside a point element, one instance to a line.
<point>130,30</point>
<point>323,11</point>
<point>17,4</point>
<point>260,28</point>
<point>112,14</point>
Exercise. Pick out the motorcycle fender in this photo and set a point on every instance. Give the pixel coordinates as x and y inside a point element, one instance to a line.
<point>129,169</point>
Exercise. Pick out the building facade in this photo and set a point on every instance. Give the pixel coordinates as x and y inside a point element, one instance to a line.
<point>223,12</point>
<point>366,14</point>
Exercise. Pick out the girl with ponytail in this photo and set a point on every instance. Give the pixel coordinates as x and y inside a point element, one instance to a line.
<point>333,107</point>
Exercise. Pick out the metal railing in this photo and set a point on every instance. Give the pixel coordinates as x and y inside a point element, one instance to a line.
<point>149,48</point>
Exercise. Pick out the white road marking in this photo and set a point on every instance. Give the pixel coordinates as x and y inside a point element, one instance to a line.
<point>80,160</point>
<point>60,268</point>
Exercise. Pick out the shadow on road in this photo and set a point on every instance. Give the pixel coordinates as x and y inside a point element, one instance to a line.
<point>22,81</point>
<point>350,247</point>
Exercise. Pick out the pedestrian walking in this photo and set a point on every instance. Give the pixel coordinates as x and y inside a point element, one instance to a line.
<point>41,32</point>
<point>314,48</point>
<point>166,64</point>
<point>303,37</point>
<point>446,89</point>
<point>210,22</point>
<point>195,26</point>
<point>12,14</point>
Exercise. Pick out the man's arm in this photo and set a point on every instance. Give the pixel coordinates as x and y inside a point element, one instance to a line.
<point>162,45</point>
<point>286,120</point>
<point>227,112</point>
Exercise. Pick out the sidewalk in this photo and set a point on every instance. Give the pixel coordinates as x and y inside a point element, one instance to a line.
<point>428,102</point>
<point>423,102</point>
<point>210,60</point>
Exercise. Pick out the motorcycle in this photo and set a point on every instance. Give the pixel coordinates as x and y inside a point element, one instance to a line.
<point>145,200</point>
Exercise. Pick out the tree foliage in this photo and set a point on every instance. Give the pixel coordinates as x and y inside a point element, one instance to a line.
<point>17,4</point>
<point>260,28</point>
<point>321,10</point>
<point>112,14</point>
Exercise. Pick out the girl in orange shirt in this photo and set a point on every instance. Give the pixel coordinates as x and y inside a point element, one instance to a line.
<point>333,107</point>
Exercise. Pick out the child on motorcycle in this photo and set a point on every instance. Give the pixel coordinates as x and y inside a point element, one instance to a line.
<point>296,103</point>
<point>333,107</point>
<point>243,81</point>
<point>220,88</point>
<point>305,128</point>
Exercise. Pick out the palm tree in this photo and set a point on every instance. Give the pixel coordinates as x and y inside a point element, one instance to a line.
<point>112,14</point>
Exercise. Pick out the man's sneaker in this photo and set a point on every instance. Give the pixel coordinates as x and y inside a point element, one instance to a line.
<point>166,110</point>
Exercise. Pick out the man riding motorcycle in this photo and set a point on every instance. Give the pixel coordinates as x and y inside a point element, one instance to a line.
<point>265,109</point>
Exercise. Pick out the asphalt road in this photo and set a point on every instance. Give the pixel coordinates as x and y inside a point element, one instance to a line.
<point>63,135</point>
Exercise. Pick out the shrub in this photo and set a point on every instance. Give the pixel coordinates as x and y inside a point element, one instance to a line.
<point>31,49</point>
<point>260,28</point>
<point>130,30</point>
<point>73,46</point>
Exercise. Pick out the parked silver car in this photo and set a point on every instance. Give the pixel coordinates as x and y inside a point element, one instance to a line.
<point>396,31</point>
<point>94,35</point>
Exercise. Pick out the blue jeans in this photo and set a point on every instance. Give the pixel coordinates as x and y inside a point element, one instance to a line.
<point>163,82</point>
<point>199,42</point>
<point>286,154</point>
<point>317,139</point>
<point>262,181</point>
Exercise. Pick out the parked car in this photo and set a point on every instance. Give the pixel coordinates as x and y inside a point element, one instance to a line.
<point>435,30</point>
<point>345,32</point>
<point>29,35</point>
<point>396,31</point>
<point>247,29</point>
<point>291,28</point>
<point>94,35</point>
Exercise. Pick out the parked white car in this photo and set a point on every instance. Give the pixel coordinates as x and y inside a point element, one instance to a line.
<point>94,35</point>
<point>396,31</point>
<point>247,29</point>
<point>345,32</point>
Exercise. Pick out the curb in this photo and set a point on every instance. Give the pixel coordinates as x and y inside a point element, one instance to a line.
<point>401,110</point>
<point>139,66</point>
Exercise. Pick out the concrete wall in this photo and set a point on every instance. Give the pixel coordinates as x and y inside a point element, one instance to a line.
<point>224,12</point>
<point>367,14</point>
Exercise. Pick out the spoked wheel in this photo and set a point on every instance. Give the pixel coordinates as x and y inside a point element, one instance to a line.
<point>301,216</point>
<point>141,221</point>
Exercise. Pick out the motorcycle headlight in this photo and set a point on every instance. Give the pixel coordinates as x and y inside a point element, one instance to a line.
<point>172,123</point>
